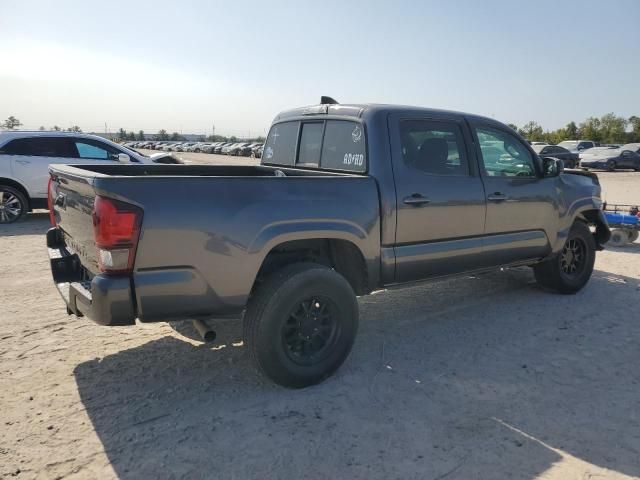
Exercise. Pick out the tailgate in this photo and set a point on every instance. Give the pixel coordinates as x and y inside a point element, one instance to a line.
<point>73,197</point>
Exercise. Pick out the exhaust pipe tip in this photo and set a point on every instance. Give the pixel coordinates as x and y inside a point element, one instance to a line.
<point>207,334</point>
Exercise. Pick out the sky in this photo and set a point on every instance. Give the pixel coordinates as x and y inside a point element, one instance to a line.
<point>188,66</point>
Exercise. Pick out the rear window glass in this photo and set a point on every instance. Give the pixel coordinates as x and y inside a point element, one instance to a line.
<point>281,144</point>
<point>330,144</point>
<point>344,146</point>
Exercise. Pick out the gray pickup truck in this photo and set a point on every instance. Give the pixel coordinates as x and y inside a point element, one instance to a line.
<point>348,199</point>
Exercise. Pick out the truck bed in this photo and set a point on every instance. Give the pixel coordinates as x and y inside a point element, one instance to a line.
<point>203,243</point>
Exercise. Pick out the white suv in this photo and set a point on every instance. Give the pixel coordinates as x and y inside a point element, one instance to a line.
<point>25,158</point>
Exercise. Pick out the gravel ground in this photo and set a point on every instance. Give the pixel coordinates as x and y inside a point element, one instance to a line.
<point>484,377</point>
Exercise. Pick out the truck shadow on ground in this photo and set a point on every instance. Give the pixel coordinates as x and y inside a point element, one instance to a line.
<point>483,378</point>
<point>32,224</point>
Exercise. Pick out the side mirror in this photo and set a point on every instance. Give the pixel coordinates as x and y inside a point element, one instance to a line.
<point>552,167</point>
<point>123,158</point>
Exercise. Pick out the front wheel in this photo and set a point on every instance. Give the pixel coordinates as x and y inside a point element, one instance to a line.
<point>571,269</point>
<point>611,165</point>
<point>300,324</point>
<point>633,235</point>
<point>13,204</point>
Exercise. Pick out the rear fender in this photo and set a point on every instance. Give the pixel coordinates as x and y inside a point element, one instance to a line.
<point>282,232</point>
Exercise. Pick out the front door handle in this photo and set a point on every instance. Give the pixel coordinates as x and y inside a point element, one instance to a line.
<point>415,199</point>
<point>497,197</point>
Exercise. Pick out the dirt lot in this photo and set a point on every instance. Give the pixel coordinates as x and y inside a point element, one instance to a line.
<point>479,377</point>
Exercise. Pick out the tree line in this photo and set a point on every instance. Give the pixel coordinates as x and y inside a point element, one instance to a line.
<point>609,128</point>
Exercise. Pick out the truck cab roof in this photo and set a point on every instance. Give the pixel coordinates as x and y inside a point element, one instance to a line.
<point>364,110</point>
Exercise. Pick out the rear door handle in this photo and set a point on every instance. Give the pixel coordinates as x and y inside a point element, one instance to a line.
<point>497,197</point>
<point>415,199</point>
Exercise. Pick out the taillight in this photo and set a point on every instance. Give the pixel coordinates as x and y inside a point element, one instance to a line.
<point>116,229</point>
<point>50,202</point>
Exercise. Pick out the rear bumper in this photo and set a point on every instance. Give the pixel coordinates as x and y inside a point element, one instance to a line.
<point>107,300</point>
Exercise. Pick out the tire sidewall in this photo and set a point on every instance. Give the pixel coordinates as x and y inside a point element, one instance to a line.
<point>271,354</point>
<point>582,232</point>
<point>618,238</point>
<point>21,198</point>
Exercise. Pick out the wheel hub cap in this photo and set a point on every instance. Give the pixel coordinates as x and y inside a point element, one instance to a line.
<point>10,207</point>
<point>573,256</point>
<point>309,332</point>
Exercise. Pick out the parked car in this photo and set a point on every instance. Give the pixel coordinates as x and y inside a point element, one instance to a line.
<point>257,151</point>
<point>235,149</point>
<point>595,151</point>
<point>225,150</point>
<point>569,159</point>
<point>634,147</point>
<point>169,146</point>
<point>25,157</point>
<point>576,146</point>
<point>210,147</point>
<point>218,149</point>
<point>182,147</point>
<point>196,147</point>
<point>247,149</point>
<point>624,157</point>
<point>364,197</point>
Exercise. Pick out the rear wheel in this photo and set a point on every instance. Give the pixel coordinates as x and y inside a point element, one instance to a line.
<point>300,325</point>
<point>619,238</point>
<point>13,204</point>
<point>571,269</point>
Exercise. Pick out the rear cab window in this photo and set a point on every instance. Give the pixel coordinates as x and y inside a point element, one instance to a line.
<point>326,144</point>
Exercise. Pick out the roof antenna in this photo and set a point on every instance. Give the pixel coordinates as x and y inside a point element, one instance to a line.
<point>327,101</point>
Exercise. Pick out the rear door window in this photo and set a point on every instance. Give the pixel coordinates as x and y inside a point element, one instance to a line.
<point>19,146</point>
<point>41,147</point>
<point>433,147</point>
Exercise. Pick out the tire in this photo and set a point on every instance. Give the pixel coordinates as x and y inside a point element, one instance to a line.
<point>611,165</point>
<point>571,269</point>
<point>300,325</point>
<point>619,238</point>
<point>13,204</point>
<point>633,235</point>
